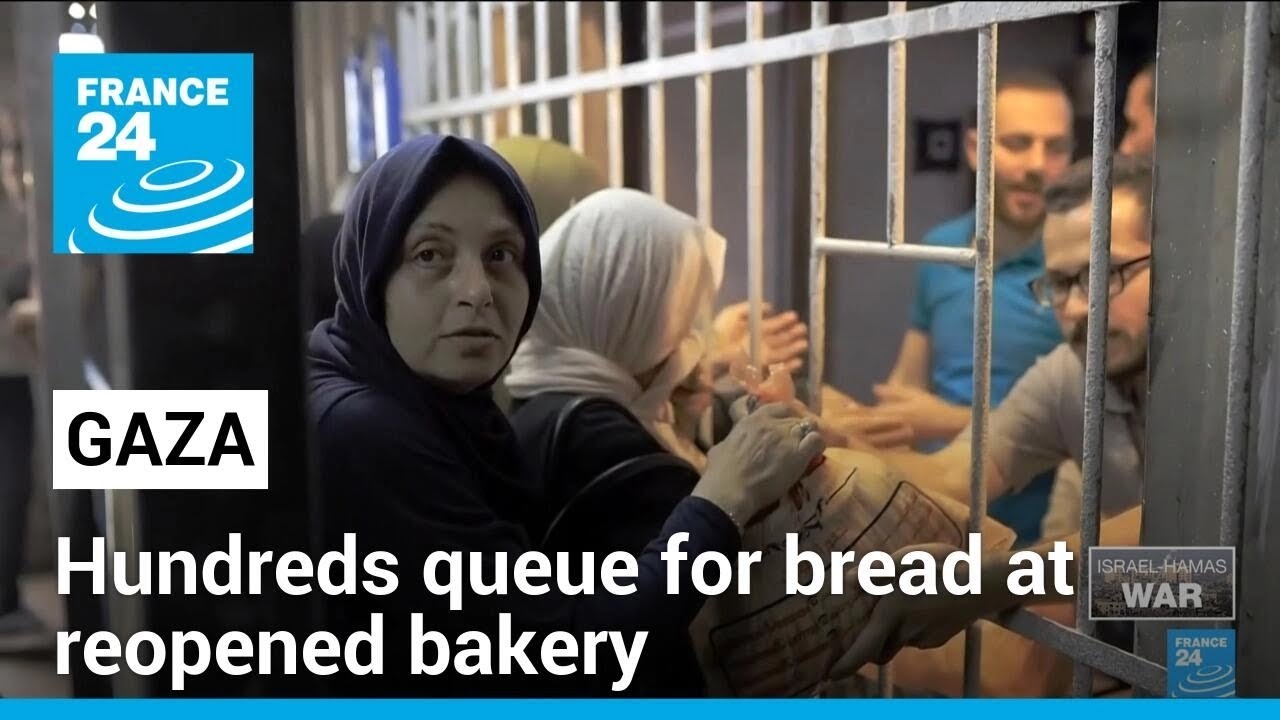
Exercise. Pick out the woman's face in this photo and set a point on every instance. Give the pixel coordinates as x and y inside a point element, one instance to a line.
<point>455,303</point>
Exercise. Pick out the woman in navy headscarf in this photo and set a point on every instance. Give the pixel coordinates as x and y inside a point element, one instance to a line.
<point>438,277</point>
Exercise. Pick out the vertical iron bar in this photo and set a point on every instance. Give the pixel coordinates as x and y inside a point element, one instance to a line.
<point>542,61</point>
<point>1104,70</point>
<point>817,214</point>
<point>755,182</point>
<point>465,88</point>
<point>441,43</point>
<point>573,48</point>
<point>511,25</point>
<point>702,110</point>
<point>988,44</point>
<point>895,195</point>
<point>613,60</point>
<point>1244,279</point>
<point>489,125</point>
<point>657,107</point>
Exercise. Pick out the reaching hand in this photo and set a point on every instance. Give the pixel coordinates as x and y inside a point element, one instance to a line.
<point>783,338</point>
<point>929,416</point>
<point>921,621</point>
<point>872,427</point>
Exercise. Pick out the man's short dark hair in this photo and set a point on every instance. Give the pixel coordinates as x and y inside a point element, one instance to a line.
<point>1021,79</point>
<point>1075,187</point>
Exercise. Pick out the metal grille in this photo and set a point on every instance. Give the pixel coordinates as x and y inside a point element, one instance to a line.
<point>892,30</point>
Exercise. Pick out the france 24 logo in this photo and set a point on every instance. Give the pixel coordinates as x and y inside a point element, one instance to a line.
<point>1201,663</point>
<point>152,153</point>
<point>160,440</point>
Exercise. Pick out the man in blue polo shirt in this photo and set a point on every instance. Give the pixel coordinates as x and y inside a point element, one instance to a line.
<point>931,386</point>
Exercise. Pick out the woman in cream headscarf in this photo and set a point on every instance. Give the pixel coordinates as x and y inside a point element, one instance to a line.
<point>628,290</point>
<point>610,380</point>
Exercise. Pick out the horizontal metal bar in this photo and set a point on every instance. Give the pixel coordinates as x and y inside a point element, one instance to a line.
<point>1137,671</point>
<point>718,18</point>
<point>939,20</point>
<point>909,252</point>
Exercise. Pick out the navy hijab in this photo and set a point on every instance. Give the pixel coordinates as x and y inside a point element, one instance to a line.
<point>351,351</point>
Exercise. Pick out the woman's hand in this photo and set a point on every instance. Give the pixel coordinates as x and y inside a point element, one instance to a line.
<point>763,456</point>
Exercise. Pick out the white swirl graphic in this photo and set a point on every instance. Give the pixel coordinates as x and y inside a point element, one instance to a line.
<point>179,204</point>
<point>199,223</point>
<point>159,187</point>
<point>1211,681</point>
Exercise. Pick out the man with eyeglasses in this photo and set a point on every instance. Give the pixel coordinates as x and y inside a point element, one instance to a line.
<point>1041,421</point>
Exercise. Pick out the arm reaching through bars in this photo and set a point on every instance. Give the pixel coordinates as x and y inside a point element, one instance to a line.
<point>928,621</point>
<point>1025,437</point>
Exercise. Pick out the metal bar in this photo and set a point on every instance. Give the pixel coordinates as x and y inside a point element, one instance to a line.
<point>1137,671</point>
<point>309,68</point>
<point>1104,71</point>
<point>515,106</point>
<point>331,118</point>
<point>421,44</point>
<point>465,88</point>
<point>896,194</point>
<point>907,251</point>
<point>702,110</point>
<point>441,43</point>
<point>988,44</point>
<point>657,105</point>
<point>817,214</point>
<point>702,131</point>
<point>573,49</point>
<point>542,62</point>
<point>755,182</point>
<point>1244,278</point>
<point>729,16</point>
<point>489,124</point>
<point>613,101</point>
<point>938,20</point>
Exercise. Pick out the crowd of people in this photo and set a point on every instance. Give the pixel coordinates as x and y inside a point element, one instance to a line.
<point>512,355</point>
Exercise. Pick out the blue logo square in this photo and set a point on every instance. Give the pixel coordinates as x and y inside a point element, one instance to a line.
<point>152,153</point>
<point>1201,663</point>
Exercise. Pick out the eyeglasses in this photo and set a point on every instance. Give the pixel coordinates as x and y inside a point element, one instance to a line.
<point>1052,290</point>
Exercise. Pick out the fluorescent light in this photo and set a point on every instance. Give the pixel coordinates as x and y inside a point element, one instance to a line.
<point>80,43</point>
<point>76,11</point>
<point>93,11</point>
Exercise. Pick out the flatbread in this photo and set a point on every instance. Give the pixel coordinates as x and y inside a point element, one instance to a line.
<point>770,644</point>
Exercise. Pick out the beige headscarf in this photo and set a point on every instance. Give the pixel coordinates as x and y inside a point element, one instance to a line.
<point>628,284</point>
